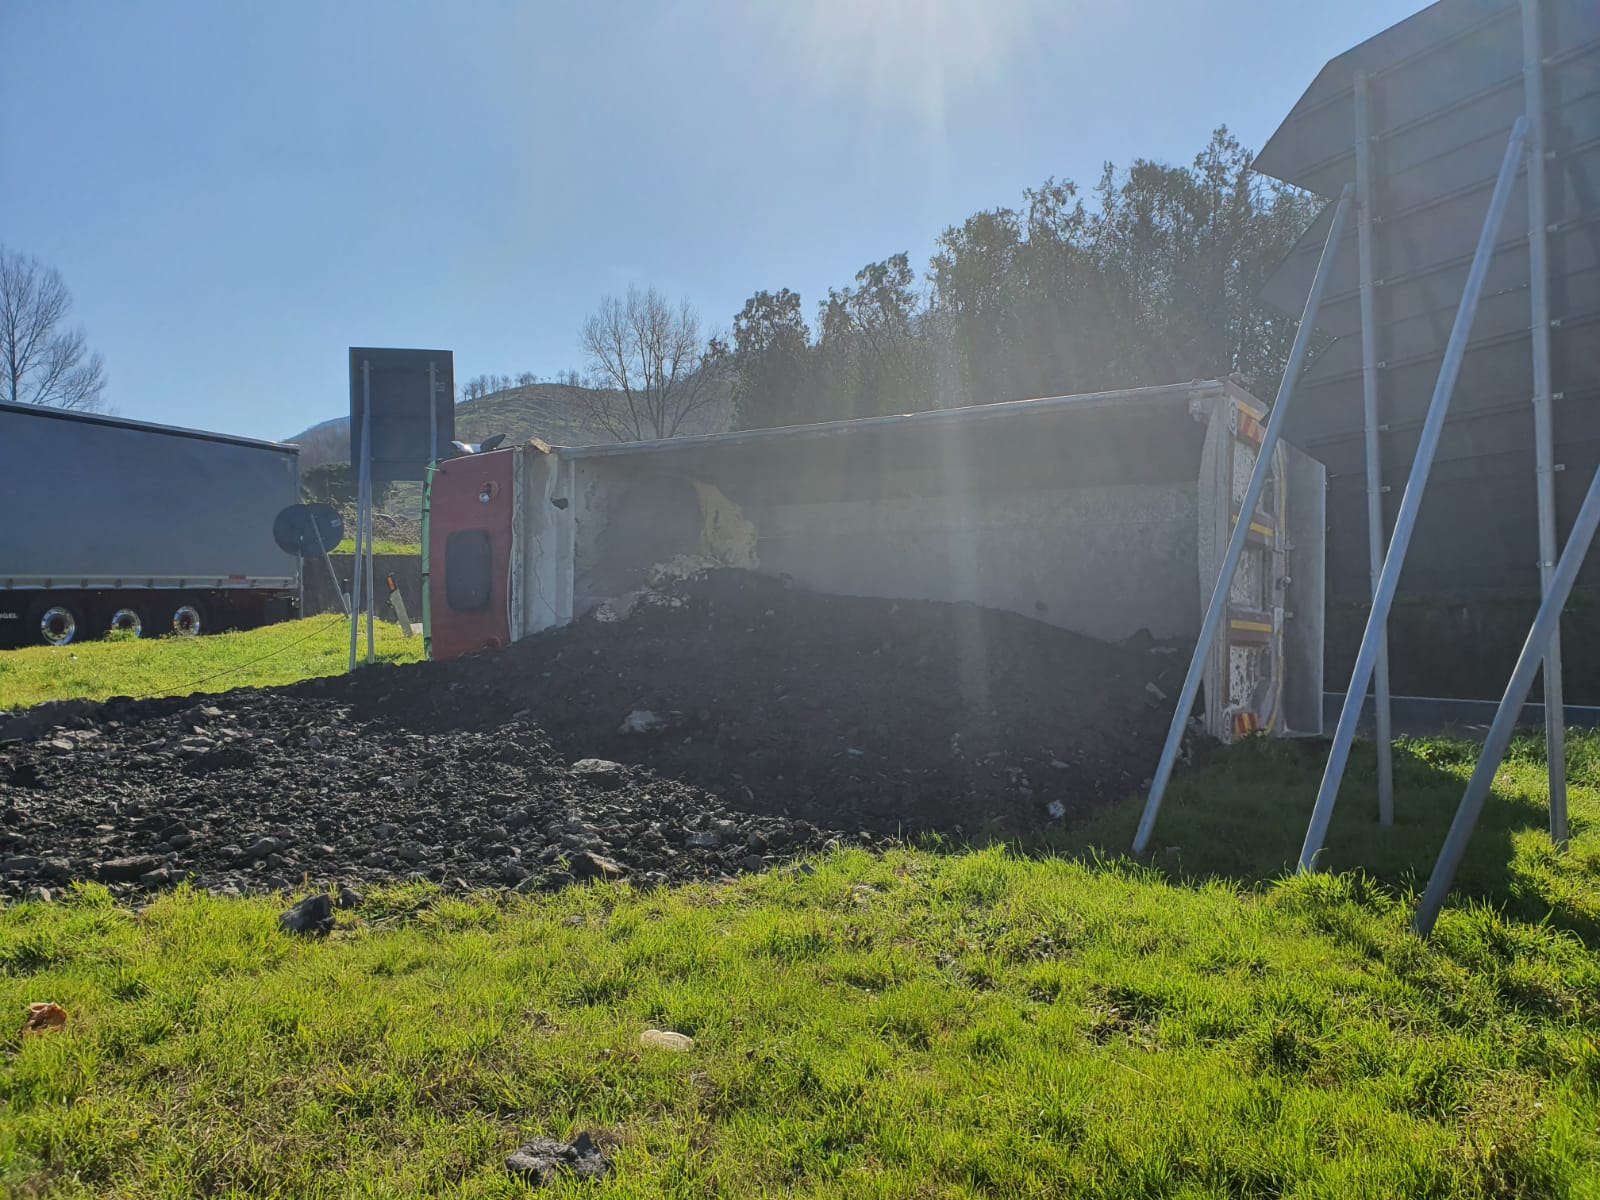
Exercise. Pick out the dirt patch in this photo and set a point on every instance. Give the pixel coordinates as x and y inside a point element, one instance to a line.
<point>728,724</point>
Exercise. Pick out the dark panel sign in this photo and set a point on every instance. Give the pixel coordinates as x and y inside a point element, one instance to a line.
<point>409,426</point>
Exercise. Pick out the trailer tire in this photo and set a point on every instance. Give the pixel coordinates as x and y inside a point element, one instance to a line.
<point>57,621</point>
<point>126,619</point>
<point>188,620</point>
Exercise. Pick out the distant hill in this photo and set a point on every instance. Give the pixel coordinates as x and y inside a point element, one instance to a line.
<point>552,412</point>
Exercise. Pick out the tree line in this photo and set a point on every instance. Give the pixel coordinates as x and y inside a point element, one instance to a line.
<point>1151,278</point>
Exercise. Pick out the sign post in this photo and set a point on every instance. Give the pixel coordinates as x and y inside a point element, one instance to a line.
<point>396,427</point>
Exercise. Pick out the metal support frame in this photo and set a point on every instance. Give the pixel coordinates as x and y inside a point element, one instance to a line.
<point>1540,638</point>
<point>1241,528</point>
<point>361,581</point>
<point>1369,408</point>
<point>1411,502</point>
<point>1543,420</point>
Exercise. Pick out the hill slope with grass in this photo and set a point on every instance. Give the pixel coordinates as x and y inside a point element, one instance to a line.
<point>552,412</point>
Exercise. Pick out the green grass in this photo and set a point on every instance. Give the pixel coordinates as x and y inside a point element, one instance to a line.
<point>922,1024</point>
<point>177,666</point>
<point>348,546</point>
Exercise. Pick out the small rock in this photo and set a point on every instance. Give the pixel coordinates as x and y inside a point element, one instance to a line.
<point>261,848</point>
<point>753,862</point>
<point>586,864</point>
<point>1056,809</point>
<point>665,1039</point>
<point>160,877</point>
<point>510,872</point>
<point>1155,693</point>
<point>704,841</point>
<point>349,897</point>
<point>598,770</point>
<point>126,870</point>
<point>313,916</point>
<point>1059,765</point>
<point>544,1160</point>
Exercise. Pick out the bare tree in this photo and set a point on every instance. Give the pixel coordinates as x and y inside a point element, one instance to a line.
<point>651,371</point>
<point>40,361</point>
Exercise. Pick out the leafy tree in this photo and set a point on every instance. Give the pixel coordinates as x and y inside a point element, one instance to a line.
<point>771,362</point>
<point>1155,281</point>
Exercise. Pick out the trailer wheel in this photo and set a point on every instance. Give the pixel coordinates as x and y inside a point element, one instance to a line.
<point>58,625</point>
<point>126,620</point>
<point>187,621</point>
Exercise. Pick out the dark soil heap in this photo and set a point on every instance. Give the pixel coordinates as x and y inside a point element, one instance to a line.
<point>736,722</point>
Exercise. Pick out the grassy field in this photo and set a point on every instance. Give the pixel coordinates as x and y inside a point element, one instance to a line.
<point>926,1024</point>
<point>176,666</point>
<point>379,546</point>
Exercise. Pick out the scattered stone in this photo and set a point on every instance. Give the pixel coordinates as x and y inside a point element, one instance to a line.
<point>708,840</point>
<point>1156,693</point>
<point>126,870</point>
<point>261,848</point>
<point>1056,809</point>
<point>312,917</point>
<point>544,1160</point>
<point>665,1039</point>
<point>349,897</point>
<point>599,770</point>
<point>586,864</point>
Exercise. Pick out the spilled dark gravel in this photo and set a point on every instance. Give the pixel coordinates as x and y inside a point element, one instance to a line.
<point>728,724</point>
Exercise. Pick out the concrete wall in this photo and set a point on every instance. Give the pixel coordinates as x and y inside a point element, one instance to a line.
<point>406,569</point>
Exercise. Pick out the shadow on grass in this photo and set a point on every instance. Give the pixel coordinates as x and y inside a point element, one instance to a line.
<point>1241,815</point>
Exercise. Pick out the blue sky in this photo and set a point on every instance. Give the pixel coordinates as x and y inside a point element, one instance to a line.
<point>236,193</point>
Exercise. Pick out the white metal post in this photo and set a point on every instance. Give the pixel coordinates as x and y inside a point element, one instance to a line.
<point>1505,717</point>
<point>1406,519</point>
<point>1369,407</point>
<point>1543,421</point>
<point>1241,529</point>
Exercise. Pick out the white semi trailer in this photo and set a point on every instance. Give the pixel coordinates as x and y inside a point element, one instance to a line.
<point>1106,514</point>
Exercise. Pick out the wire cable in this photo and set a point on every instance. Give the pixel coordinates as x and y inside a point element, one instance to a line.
<point>193,684</point>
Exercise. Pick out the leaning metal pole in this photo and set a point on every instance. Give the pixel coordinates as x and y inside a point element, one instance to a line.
<point>1406,519</point>
<point>1241,529</point>
<point>1543,423</point>
<point>1369,408</point>
<point>1505,717</point>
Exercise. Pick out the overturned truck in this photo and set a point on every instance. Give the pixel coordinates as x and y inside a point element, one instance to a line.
<point>1106,514</point>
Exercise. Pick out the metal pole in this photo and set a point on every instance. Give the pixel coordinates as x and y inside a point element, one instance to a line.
<point>361,508</point>
<point>433,413</point>
<point>1505,717</point>
<point>327,558</point>
<point>1555,736</point>
<point>1369,406</point>
<point>370,590</point>
<point>1241,529</point>
<point>1406,518</point>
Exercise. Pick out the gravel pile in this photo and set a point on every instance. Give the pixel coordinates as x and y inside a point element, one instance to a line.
<point>727,724</point>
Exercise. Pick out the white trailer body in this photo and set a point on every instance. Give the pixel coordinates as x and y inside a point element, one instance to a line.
<point>1106,514</point>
